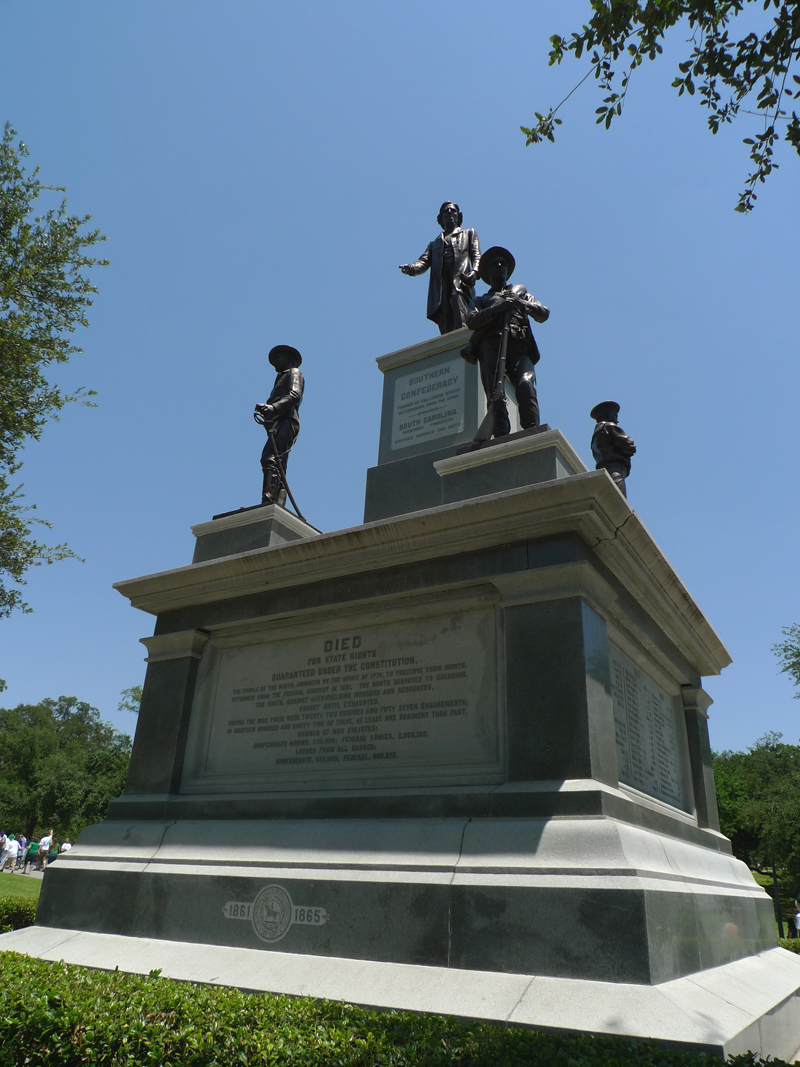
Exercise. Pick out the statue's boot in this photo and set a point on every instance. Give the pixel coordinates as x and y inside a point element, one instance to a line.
<point>273,491</point>
<point>502,423</point>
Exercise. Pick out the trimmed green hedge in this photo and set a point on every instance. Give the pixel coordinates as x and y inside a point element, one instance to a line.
<point>792,943</point>
<point>16,912</point>
<point>54,1015</point>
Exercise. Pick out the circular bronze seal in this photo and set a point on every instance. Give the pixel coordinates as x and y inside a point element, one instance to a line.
<point>272,913</point>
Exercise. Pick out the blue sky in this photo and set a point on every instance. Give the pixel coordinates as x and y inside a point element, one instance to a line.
<point>262,169</point>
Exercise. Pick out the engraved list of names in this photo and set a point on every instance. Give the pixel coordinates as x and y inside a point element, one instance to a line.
<point>357,703</point>
<point>647,738</point>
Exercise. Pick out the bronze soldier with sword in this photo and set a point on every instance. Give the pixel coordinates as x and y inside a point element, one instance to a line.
<point>279,417</point>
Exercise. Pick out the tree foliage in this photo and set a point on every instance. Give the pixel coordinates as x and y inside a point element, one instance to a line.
<point>758,793</point>
<point>60,764</point>
<point>130,699</point>
<point>44,297</point>
<point>751,75</point>
<point>788,653</point>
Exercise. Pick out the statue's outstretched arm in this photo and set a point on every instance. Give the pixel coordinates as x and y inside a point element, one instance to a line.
<point>421,265</point>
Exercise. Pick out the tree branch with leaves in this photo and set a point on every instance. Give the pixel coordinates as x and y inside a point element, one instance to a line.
<point>130,699</point>
<point>750,76</point>
<point>45,293</point>
<point>788,654</point>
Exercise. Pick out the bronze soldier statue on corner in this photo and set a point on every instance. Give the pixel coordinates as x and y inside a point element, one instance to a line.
<point>280,418</point>
<point>611,447</point>
<point>453,259</point>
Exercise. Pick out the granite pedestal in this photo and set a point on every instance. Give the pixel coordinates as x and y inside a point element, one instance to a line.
<point>433,403</point>
<point>240,531</point>
<point>455,759</point>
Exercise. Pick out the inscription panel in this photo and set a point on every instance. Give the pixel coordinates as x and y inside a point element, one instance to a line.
<point>429,403</point>
<point>648,727</point>
<point>392,700</point>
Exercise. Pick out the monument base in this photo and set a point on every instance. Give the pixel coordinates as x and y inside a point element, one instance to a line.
<point>459,755</point>
<point>590,898</point>
<point>748,1005</point>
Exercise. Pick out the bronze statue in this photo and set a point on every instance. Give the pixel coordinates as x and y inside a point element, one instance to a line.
<point>503,342</point>
<point>611,447</point>
<point>453,258</point>
<point>280,419</point>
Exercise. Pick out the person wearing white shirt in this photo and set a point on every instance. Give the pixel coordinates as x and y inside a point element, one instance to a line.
<point>44,848</point>
<point>11,853</point>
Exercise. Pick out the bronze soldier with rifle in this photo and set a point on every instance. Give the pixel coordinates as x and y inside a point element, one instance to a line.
<point>503,343</point>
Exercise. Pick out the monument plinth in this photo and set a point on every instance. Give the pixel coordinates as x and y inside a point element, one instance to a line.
<point>432,404</point>
<point>455,759</point>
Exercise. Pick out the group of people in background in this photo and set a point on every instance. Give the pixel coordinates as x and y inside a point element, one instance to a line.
<point>17,853</point>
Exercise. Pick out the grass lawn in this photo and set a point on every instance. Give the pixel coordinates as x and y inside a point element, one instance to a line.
<point>20,885</point>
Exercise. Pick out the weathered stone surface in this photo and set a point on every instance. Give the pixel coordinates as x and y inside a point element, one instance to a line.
<point>243,531</point>
<point>432,403</point>
<point>523,459</point>
<point>353,704</point>
<point>515,680</point>
<point>581,898</point>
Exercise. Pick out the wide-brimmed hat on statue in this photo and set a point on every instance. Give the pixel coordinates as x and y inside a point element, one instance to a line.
<point>605,412</point>
<point>488,258</point>
<point>285,350</point>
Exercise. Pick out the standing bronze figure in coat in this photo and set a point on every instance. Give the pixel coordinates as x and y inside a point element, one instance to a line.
<point>612,448</point>
<point>279,416</point>
<point>453,259</point>
<point>488,315</point>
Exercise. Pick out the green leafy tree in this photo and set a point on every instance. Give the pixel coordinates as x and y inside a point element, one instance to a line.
<point>788,653</point>
<point>751,75</point>
<point>60,765</point>
<point>131,699</point>
<point>758,793</point>
<point>44,297</point>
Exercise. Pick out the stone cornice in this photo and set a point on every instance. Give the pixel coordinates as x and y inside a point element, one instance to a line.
<point>446,342</point>
<point>513,447</point>
<point>588,505</point>
<point>250,518</point>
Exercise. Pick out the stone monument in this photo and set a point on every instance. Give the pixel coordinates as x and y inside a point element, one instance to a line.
<point>454,759</point>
